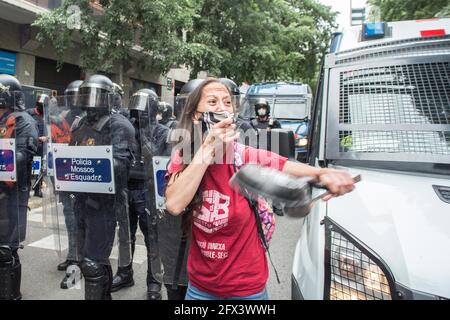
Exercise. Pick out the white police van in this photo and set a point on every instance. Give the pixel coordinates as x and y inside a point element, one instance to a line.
<point>382,111</point>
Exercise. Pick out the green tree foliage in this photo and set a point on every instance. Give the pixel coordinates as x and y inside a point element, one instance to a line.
<point>256,40</point>
<point>246,40</point>
<point>397,10</point>
<point>445,12</point>
<point>106,36</point>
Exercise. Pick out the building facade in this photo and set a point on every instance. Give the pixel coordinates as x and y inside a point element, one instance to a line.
<point>35,64</point>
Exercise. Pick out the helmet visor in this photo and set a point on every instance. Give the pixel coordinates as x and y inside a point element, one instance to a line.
<point>71,99</point>
<point>138,102</point>
<point>93,98</point>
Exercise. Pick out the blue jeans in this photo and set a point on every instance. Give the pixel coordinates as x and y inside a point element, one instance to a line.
<point>194,293</point>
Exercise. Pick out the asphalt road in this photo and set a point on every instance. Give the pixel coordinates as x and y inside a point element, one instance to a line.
<point>41,280</point>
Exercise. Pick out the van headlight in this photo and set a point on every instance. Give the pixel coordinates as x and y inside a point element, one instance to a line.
<point>354,273</point>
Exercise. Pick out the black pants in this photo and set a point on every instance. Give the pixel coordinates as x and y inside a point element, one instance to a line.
<point>139,216</point>
<point>96,223</point>
<point>13,215</point>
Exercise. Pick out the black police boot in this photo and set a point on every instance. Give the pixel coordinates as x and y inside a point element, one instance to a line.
<point>16,280</point>
<point>6,273</point>
<point>72,276</point>
<point>10,274</point>
<point>153,286</point>
<point>179,293</point>
<point>63,265</point>
<point>108,284</point>
<point>154,291</point>
<point>123,278</point>
<point>97,280</point>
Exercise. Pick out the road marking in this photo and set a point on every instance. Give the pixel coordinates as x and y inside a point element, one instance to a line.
<point>51,242</point>
<point>55,243</point>
<point>140,254</point>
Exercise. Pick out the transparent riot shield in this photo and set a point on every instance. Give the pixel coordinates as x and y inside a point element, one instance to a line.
<point>17,143</point>
<point>164,234</point>
<point>90,151</point>
<point>173,238</point>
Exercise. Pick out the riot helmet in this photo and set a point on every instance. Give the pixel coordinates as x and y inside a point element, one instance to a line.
<point>96,92</point>
<point>71,94</point>
<point>185,91</point>
<point>11,95</point>
<point>165,111</point>
<point>234,89</point>
<point>262,108</point>
<point>232,86</point>
<point>144,102</point>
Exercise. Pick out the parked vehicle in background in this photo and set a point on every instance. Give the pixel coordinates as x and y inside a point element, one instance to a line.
<point>382,111</point>
<point>290,104</point>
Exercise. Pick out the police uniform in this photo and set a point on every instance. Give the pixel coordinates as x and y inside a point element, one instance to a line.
<point>269,123</point>
<point>96,213</point>
<point>14,199</point>
<point>151,140</point>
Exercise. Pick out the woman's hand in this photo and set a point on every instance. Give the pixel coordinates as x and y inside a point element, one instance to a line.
<point>222,134</point>
<point>338,182</point>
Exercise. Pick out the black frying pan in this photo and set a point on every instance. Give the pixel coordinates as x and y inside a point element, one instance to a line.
<point>294,194</point>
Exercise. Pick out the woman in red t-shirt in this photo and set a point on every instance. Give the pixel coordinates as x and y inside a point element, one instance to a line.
<point>226,259</point>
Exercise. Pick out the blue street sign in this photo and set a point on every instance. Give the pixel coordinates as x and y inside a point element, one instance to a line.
<point>161,181</point>
<point>6,161</point>
<point>7,62</point>
<point>90,170</point>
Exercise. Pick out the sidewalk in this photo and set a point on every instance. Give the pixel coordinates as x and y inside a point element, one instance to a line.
<point>34,202</point>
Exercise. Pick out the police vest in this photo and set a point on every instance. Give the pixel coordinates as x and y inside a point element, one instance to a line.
<point>96,134</point>
<point>7,126</point>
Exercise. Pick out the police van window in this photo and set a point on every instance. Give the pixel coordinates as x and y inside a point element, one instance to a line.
<point>290,109</point>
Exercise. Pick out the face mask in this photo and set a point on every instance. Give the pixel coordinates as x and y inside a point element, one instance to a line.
<point>209,119</point>
<point>261,112</point>
<point>158,117</point>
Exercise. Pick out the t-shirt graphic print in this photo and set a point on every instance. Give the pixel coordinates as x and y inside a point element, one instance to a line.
<point>214,212</point>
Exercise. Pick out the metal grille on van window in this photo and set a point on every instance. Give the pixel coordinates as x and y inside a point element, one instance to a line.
<point>353,271</point>
<point>406,98</point>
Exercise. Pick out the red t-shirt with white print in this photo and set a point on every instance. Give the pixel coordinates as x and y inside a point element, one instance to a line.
<point>226,257</point>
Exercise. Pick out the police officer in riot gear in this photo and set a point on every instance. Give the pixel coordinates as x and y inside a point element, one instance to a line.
<point>69,118</point>
<point>151,138</point>
<point>97,213</point>
<point>165,115</point>
<point>263,120</point>
<point>19,125</point>
<point>37,113</point>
